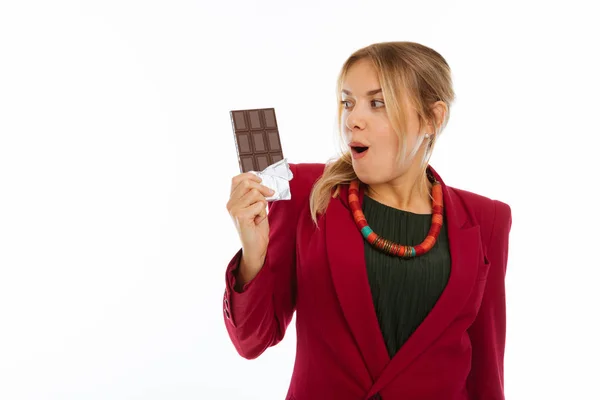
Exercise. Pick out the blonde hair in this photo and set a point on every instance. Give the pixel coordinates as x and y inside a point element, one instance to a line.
<point>402,67</point>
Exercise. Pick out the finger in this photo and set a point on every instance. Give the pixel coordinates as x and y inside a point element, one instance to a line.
<point>261,216</point>
<point>246,186</point>
<point>236,180</point>
<point>251,197</point>
<point>237,205</point>
<point>249,214</point>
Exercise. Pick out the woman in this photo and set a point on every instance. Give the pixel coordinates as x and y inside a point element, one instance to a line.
<point>397,279</point>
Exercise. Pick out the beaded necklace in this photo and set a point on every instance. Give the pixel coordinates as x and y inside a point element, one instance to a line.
<point>389,247</point>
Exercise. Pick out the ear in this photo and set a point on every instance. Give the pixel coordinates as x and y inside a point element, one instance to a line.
<point>440,110</point>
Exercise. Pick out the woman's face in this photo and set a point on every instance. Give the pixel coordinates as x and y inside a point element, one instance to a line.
<point>365,123</point>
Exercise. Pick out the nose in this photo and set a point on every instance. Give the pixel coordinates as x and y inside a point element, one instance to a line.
<point>355,120</point>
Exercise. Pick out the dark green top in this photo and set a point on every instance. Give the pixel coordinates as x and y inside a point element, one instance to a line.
<point>404,290</point>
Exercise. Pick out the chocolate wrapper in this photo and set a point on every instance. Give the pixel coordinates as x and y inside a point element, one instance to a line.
<point>276,177</point>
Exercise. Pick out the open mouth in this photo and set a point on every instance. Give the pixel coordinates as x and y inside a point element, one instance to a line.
<point>359,152</point>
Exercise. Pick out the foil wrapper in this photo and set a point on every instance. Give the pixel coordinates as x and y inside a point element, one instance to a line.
<point>277,177</point>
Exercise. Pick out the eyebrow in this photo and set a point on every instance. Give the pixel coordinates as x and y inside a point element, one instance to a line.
<point>369,93</point>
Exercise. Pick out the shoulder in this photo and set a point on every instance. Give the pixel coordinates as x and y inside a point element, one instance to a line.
<point>491,214</point>
<point>483,205</point>
<point>304,177</point>
<point>307,173</point>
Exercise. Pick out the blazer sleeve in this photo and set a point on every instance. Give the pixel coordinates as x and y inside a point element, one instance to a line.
<point>258,316</point>
<point>488,331</point>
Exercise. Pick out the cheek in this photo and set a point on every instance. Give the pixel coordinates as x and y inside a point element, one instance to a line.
<point>387,143</point>
<point>344,127</point>
<point>387,136</point>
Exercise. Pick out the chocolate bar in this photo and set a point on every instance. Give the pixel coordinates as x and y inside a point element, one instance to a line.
<point>256,138</point>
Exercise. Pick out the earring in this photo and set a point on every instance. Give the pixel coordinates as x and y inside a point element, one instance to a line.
<point>427,136</point>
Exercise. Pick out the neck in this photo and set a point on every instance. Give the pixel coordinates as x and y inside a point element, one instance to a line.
<point>403,193</point>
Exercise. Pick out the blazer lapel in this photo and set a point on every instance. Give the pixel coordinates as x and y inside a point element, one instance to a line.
<point>346,256</point>
<point>348,270</point>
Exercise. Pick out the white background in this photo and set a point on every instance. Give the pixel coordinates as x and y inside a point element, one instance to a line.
<point>116,154</point>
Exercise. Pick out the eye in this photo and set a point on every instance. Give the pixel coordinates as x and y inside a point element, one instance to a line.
<point>374,103</point>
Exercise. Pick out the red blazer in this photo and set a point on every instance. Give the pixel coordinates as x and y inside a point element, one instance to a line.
<point>456,353</point>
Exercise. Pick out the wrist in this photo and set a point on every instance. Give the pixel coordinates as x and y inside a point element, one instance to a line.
<point>246,271</point>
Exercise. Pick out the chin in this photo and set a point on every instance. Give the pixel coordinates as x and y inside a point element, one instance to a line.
<point>367,178</point>
<point>375,175</point>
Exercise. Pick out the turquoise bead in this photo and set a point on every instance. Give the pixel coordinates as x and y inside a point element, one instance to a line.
<point>366,231</point>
